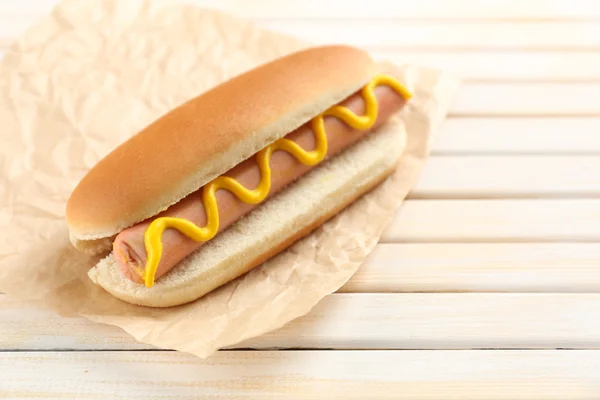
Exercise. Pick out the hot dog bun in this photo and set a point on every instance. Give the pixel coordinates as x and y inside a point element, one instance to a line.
<point>292,214</point>
<point>174,157</point>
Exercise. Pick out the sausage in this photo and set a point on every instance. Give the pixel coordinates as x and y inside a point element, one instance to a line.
<point>128,247</point>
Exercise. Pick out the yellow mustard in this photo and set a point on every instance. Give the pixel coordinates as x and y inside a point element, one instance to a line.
<point>153,234</point>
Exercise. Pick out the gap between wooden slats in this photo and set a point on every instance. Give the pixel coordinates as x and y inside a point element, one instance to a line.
<point>440,375</point>
<point>524,136</point>
<point>517,220</point>
<point>361,321</point>
<point>471,176</point>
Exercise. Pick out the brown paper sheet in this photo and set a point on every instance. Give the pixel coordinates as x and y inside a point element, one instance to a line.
<point>93,73</point>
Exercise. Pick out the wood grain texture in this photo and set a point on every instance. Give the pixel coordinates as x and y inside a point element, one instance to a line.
<point>479,267</point>
<point>527,99</point>
<point>464,375</point>
<point>498,220</point>
<point>525,124</point>
<point>480,177</point>
<point>505,65</point>
<point>523,136</point>
<point>443,321</point>
<point>26,325</point>
<point>361,321</point>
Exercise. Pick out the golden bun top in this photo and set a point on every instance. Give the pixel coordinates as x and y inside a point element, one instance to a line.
<point>209,134</point>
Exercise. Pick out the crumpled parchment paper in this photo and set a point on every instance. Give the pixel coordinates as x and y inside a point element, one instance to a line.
<point>93,73</point>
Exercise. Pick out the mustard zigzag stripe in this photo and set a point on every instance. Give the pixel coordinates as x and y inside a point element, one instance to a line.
<point>153,235</point>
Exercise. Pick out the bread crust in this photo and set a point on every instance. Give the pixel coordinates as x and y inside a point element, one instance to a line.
<point>267,230</point>
<point>206,136</point>
<point>232,274</point>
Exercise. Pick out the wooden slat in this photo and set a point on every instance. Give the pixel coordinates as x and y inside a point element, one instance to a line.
<point>521,220</point>
<point>29,326</point>
<point>537,99</point>
<point>476,35</point>
<point>362,321</point>
<point>465,375</point>
<point>479,267</point>
<point>533,136</point>
<point>443,321</point>
<point>431,321</point>
<point>508,66</point>
<point>448,177</point>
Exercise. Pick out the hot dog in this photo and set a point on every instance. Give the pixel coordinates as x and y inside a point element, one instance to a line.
<point>234,176</point>
<point>129,247</point>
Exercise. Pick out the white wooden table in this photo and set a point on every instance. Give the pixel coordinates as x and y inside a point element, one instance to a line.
<point>486,285</point>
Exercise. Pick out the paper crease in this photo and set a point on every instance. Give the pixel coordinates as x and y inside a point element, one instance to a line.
<point>89,75</point>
